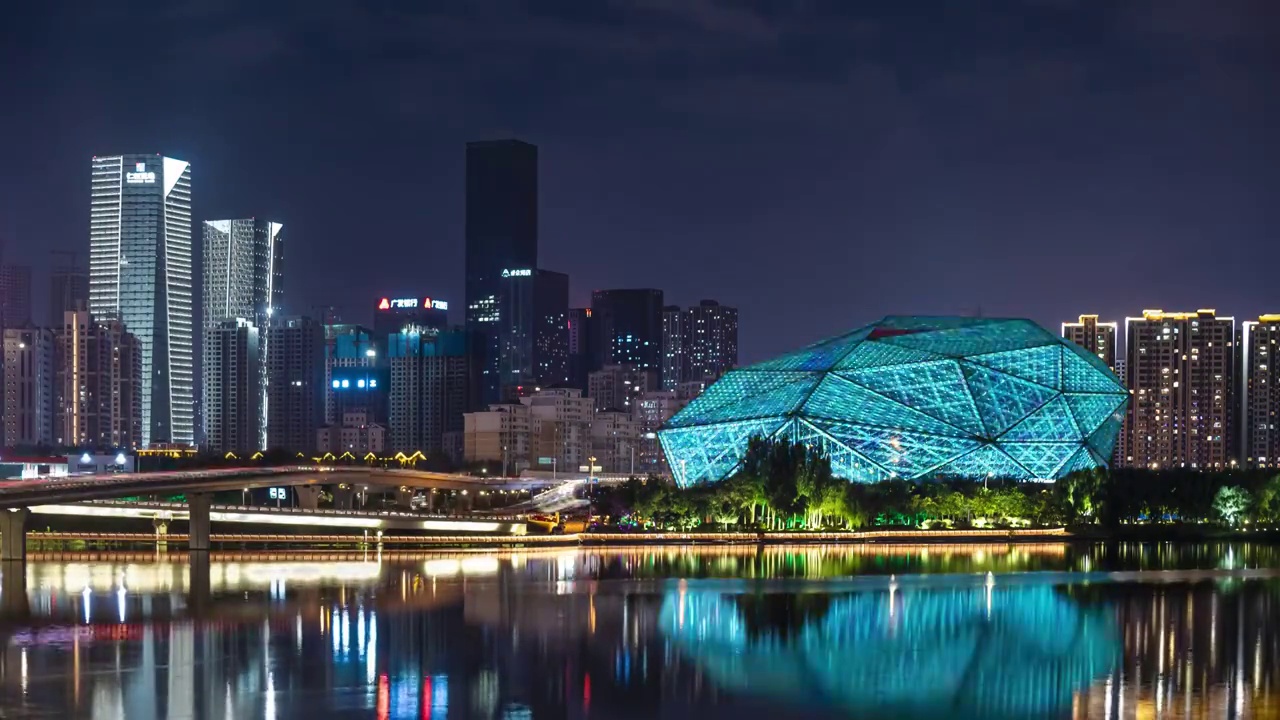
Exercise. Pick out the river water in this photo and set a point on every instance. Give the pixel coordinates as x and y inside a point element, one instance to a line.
<point>875,631</point>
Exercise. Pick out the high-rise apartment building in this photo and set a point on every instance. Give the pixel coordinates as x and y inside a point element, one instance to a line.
<point>1260,392</point>
<point>28,387</point>
<point>501,234</point>
<point>675,356</point>
<point>1180,370</point>
<point>97,385</point>
<point>15,296</point>
<point>140,274</point>
<point>580,355</point>
<point>628,328</point>
<point>698,342</point>
<point>352,377</point>
<point>533,307</point>
<point>243,280</point>
<point>393,316</point>
<point>295,383</point>
<point>1098,338</point>
<point>233,387</point>
<point>428,389</point>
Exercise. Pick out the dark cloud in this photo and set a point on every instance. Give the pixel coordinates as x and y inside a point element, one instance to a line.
<point>818,162</point>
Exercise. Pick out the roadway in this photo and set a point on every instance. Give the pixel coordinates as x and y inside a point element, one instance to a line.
<point>80,488</point>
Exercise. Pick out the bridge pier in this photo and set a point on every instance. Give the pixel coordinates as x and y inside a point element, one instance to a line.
<point>343,497</point>
<point>308,496</point>
<point>13,590</point>
<point>404,497</point>
<point>198,524</point>
<point>198,594</point>
<point>13,534</point>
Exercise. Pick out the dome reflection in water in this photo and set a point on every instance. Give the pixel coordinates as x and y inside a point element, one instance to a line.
<point>962,651</point>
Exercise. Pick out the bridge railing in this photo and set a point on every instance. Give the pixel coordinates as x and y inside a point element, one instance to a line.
<point>268,510</point>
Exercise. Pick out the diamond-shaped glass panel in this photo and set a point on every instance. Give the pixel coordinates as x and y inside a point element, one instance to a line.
<point>877,354</point>
<point>1082,460</point>
<point>1003,399</point>
<point>986,461</point>
<point>845,463</point>
<point>1103,440</point>
<point>1052,422</point>
<point>1041,459</point>
<point>1096,362</point>
<point>1078,375</point>
<point>934,388</point>
<point>837,398</point>
<point>902,453</point>
<point>819,356</point>
<point>712,452</point>
<point>1041,365</point>
<point>742,394</point>
<point>1091,410</point>
<point>993,337</point>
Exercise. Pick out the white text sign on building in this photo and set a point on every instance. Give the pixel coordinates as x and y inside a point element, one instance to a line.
<point>140,175</point>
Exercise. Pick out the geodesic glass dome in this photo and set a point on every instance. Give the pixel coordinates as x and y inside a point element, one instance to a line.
<point>913,397</point>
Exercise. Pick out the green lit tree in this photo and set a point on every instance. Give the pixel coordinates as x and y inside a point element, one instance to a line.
<point>1231,504</point>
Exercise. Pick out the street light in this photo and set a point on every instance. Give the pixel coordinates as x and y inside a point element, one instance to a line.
<point>370,353</point>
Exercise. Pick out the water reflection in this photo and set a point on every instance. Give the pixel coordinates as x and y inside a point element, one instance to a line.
<point>977,651</point>
<point>1023,631</point>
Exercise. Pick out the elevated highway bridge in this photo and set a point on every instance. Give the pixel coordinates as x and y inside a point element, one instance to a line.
<point>18,496</point>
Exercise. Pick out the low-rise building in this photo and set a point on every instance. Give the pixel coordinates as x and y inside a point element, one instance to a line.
<point>356,435</point>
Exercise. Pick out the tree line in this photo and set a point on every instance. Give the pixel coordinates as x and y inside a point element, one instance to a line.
<point>782,485</point>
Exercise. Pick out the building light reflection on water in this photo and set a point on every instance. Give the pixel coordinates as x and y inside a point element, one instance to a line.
<point>1192,648</point>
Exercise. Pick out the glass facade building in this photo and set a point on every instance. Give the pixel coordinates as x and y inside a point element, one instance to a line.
<point>501,238</point>
<point>140,273</point>
<point>243,280</point>
<point>534,330</point>
<point>913,397</point>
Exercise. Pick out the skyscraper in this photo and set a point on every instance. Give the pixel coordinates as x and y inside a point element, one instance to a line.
<point>243,270</point>
<point>15,296</point>
<point>140,274</point>
<point>533,334</point>
<point>628,328</point>
<point>1180,370</point>
<point>1098,338</point>
<point>1260,390</point>
<point>233,387</point>
<point>501,234</point>
<point>243,280</point>
<point>295,378</point>
<point>28,387</point>
<point>98,374</point>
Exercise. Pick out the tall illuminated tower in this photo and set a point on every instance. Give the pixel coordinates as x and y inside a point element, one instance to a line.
<point>140,273</point>
<point>243,281</point>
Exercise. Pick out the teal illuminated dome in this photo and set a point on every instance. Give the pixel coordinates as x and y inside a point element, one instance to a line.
<point>913,397</point>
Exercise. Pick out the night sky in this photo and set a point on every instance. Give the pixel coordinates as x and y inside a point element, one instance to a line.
<point>817,163</point>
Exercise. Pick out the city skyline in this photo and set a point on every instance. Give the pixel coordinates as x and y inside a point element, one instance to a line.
<point>789,135</point>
